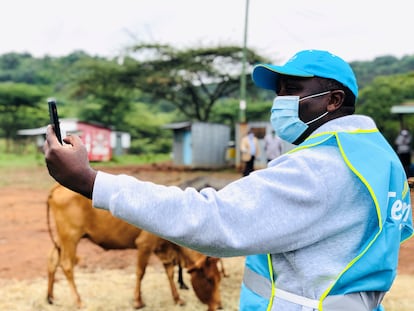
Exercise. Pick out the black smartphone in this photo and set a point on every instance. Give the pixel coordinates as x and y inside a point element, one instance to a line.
<point>54,118</point>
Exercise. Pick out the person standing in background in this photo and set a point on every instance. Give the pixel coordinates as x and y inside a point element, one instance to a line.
<point>273,146</point>
<point>250,151</point>
<point>403,143</point>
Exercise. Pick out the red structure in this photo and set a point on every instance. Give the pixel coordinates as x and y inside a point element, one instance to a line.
<point>97,140</point>
<point>101,142</point>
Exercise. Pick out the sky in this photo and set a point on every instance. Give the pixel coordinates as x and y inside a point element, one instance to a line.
<point>356,30</point>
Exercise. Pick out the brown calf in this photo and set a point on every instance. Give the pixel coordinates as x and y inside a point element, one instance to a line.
<point>75,218</point>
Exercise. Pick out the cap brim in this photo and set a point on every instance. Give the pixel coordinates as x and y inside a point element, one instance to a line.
<point>265,75</point>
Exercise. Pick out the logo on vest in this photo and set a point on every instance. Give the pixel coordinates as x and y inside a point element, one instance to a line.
<point>400,211</point>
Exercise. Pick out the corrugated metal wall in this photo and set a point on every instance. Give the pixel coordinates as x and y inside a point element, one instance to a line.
<point>210,143</point>
<point>178,147</point>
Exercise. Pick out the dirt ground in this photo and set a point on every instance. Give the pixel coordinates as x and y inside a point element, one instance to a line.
<point>24,237</point>
<point>25,242</point>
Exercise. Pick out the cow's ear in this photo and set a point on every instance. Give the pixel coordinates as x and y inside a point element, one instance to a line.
<point>211,260</point>
<point>191,269</point>
<point>198,264</point>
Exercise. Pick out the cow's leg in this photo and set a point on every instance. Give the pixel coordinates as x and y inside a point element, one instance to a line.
<point>223,271</point>
<point>180,277</point>
<point>142,262</point>
<point>52,264</point>
<point>67,261</point>
<point>217,300</point>
<point>169,269</point>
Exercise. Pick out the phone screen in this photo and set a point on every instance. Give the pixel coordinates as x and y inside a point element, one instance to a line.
<point>54,118</point>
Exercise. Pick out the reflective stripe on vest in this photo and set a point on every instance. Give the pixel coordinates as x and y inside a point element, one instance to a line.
<point>262,286</point>
<point>362,301</point>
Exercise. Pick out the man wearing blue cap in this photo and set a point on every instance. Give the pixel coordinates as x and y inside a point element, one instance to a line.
<point>308,71</point>
<point>321,226</point>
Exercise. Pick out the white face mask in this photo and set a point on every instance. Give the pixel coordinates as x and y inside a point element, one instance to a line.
<point>285,116</point>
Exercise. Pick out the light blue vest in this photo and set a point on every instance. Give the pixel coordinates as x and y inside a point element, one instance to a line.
<point>372,159</point>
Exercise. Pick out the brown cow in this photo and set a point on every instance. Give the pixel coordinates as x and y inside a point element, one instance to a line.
<point>75,218</point>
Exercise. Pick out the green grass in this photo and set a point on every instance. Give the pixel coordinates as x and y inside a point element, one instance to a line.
<point>35,159</point>
<point>19,154</point>
<point>25,154</point>
<point>11,160</point>
<point>21,169</point>
<point>130,159</point>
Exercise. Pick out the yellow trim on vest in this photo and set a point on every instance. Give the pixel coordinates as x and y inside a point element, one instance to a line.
<point>406,189</point>
<point>311,145</point>
<point>270,266</point>
<point>364,181</point>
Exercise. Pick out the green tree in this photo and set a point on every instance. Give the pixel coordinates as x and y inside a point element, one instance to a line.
<point>106,99</point>
<point>227,111</point>
<point>192,80</point>
<point>377,98</point>
<point>367,71</point>
<point>16,100</point>
<point>145,126</point>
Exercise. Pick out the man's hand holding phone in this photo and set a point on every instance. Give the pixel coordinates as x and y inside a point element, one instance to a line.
<point>68,164</point>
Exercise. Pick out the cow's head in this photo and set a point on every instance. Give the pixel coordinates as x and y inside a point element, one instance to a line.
<point>205,278</point>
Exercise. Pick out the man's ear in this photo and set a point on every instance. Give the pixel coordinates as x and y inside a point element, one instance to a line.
<point>336,100</point>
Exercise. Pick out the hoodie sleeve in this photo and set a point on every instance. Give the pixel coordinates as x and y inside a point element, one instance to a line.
<point>277,209</point>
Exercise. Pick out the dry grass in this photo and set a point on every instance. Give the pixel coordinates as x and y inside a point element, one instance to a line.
<point>401,296</point>
<point>113,290</point>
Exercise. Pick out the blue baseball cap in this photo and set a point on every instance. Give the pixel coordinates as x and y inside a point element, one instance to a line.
<point>307,64</point>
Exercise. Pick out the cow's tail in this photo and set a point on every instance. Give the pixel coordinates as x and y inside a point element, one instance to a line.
<point>49,228</point>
